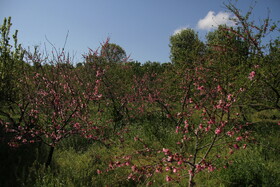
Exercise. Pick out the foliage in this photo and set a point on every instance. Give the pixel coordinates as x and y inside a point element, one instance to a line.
<point>185,47</point>
<point>11,57</point>
<point>211,117</point>
<point>113,52</point>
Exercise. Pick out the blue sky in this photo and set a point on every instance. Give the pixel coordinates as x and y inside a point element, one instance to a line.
<point>141,27</point>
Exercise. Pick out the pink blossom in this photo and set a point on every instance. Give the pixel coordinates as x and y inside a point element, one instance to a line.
<point>130,176</point>
<point>208,128</point>
<point>168,179</point>
<point>235,146</point>
<point>229,97</point>
<point>198,168</point>
<point>98,171</point>
<point>252,75</point>
<point>211,121</point>
<point>127,163</point>
<point>239,138</point>
<point>167,169</point>
<point>166,151</point>
<point>211,168</point>
<point>169,158</point>
<point>230,133</point>
<point>177,129</point>
<point>219,105</point>
<point>179,162</point>
<point>218,131</point>
<point>133,168</point>
<point>190,100</point>
<point>219,88</point>
<point>158,170</point>
<point>200,87</point>
<point>77,126</point>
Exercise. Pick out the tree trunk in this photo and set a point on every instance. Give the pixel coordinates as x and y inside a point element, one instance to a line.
<point>49,160</point>
<point>191,181</point>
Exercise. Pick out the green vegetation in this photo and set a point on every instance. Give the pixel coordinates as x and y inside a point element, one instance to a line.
<point>211,117</point>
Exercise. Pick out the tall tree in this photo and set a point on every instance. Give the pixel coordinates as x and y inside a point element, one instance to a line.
<point>228,44</point>
<point>11,57</point>
<point>185,47</point>
<point>113,52</point>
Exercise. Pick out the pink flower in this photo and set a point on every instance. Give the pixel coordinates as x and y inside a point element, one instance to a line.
<point>200,87</point>
<point>208,128</point>
<point>133,168</point>
<point>179,162</point>
<point>230,133</point>
<point>218,131</point>
<point>98,171</point>
<point>77,126</point>
<point>239,138</point>
<point>219,88</point>
<point>167,169</point>
<point>166,151</point>
<point>229,97</point>
<point>168,179</point>
<point>235,146</point>
<point>252,75</point>
<point>158,170</point>
<point>211,121</point>
<point>169,158</point>
<point>177,129</point>
<point>127,163</point>
<point>211,168</point>
<point>198,168</point>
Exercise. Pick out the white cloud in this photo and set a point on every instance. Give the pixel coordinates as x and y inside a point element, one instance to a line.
<point>213,21</point>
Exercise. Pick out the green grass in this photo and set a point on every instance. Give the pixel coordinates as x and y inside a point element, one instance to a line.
<point>76,160</point>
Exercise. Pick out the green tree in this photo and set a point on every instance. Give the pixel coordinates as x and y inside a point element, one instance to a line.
<point>113,52</point>
<point>226,43</point>
<point>185,47</point>
<point>11,58</point>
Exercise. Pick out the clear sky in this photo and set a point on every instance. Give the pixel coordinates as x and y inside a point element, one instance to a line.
<point>141,27</point>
